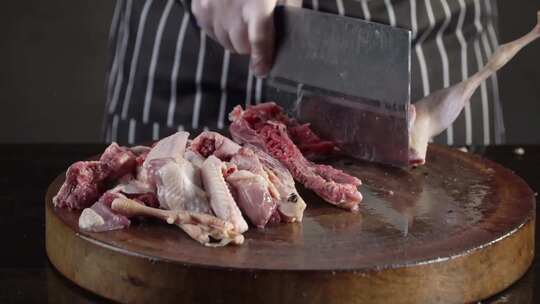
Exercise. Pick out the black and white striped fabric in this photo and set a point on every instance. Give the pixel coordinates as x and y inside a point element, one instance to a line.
<point>166,75</point>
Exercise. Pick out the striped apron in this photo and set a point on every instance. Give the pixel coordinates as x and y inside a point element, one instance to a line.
<point>166,75</point>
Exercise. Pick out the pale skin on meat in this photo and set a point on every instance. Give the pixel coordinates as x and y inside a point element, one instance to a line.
<point>436,112</point>
<point>221,199</point>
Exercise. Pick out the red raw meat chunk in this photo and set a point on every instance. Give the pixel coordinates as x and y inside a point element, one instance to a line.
<point>87,180</point>
<point>119,161</point>
<point>83,185</point>
<point>309,143</point>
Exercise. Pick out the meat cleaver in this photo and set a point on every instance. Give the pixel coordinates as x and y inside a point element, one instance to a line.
<point>351,78</point>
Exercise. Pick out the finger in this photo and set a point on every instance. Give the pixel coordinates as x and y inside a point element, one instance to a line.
<point>261,40</point>
<point>203,12</point>
<point>222,36</point>
<point>238,36</point>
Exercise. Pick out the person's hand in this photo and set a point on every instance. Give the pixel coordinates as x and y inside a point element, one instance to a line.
<point>240,26</point>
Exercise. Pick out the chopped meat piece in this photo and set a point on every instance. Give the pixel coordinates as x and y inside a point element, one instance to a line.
<point>86,180</point>
<point>83,185</point>
<point>179,187</point>
<point>201,227</point>
<point>252,195</point>
<point>246,159</point>
<point>137,190</point>
<point>291,206</point>
<point>99,217</point>
<point>272,137</point>
<point>194,158</point>
<point>212,143</point>
<point>221,200</point>
<point>119,161</point>
<point>169,147</point>
<point>309,143</point>
<point>338,176</point>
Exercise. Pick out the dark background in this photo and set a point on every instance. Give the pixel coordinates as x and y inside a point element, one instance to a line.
<point>53,56</point>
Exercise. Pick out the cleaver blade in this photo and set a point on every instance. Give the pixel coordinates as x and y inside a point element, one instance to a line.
<point>351,78</point>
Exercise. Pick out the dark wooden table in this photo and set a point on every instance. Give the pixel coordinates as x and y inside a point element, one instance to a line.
<point>26,274</point>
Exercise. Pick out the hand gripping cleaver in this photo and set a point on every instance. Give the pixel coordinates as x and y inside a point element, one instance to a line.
<point>352,80</point>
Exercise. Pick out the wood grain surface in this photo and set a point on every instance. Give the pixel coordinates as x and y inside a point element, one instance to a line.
<point>456,230</point>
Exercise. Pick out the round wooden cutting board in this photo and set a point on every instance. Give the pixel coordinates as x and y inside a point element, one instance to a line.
<point>456,230</point>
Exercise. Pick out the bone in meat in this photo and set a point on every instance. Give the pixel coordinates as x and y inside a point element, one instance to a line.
<point>202,227</point>
<point>212,143</point>
<point>99,217</point>
<point>252,195</point>
<point>137,190</point>
<point>221,200</point>
<point>436,112</point>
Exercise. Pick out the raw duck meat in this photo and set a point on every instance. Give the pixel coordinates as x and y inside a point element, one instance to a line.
<point>177,182</point>
<point>221,200</point>
<point>309,143</point>
<point>246,159</point>
<point>212,143</point>
<point>253,197</point>
<point>136,190</point>
<point>84,184</point>
<point>87,180</point>
<point>194,184</point>
<point>279,182</point>
<point>251,127</point>
<point>172,146</point>
<point>194,158</point>
<point>204,228</point>
<point>291,206</point>
<point>437,111</point>
<point>179,185</point>
<point>119,161</point>
<point>99,217</point>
